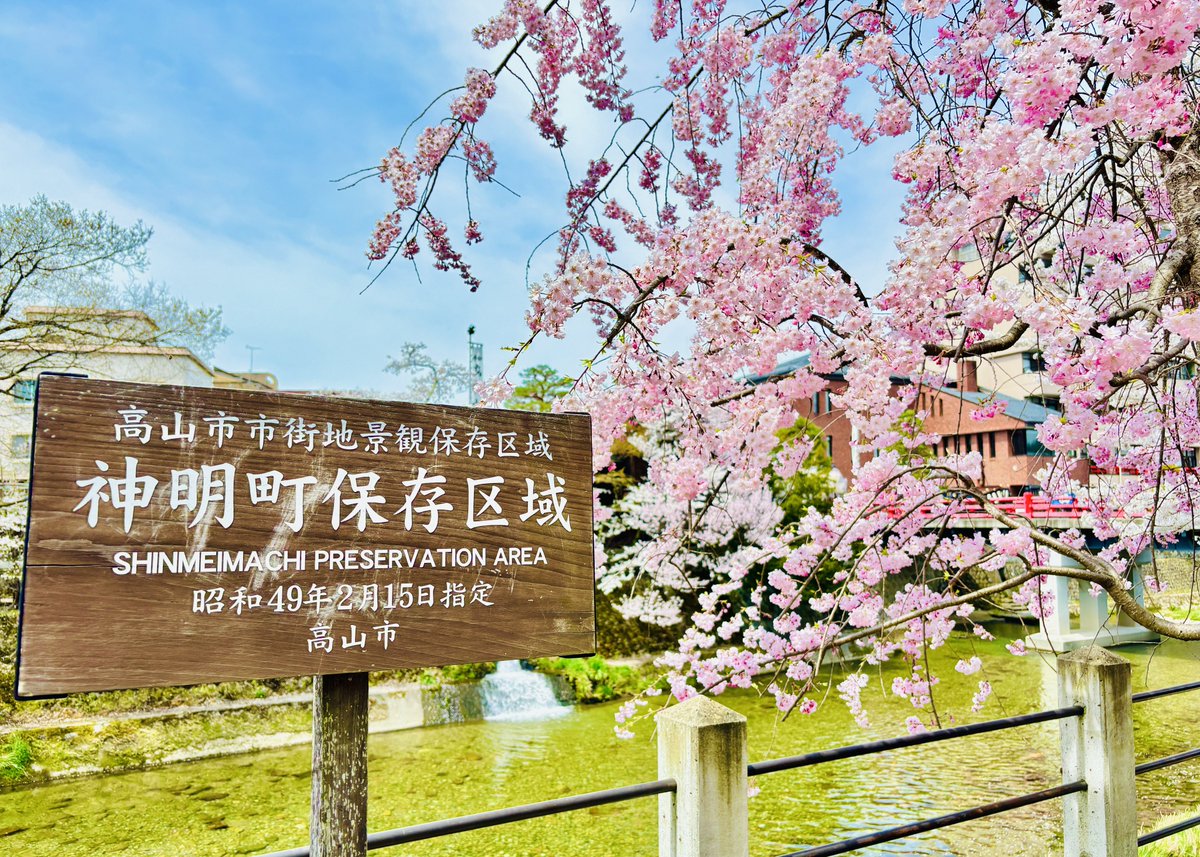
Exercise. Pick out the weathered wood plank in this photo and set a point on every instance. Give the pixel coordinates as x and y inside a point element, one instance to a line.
<point>156,559</point>
<point>338,827</point>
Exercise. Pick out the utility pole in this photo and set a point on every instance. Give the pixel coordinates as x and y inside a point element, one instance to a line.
<point>252,349</point>
<point>474,365</point>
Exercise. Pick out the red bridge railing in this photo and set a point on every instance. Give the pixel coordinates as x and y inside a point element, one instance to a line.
<point>1026,505</point>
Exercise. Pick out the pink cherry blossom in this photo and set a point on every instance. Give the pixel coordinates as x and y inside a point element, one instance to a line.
<point>1045,156</point>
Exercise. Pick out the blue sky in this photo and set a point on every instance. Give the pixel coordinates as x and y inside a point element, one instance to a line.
<point>223,126</point>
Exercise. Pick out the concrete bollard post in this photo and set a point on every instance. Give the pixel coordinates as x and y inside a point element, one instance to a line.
<point>1097,748</point>
<point>702,745</point>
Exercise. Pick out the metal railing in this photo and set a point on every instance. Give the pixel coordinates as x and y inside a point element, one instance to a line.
<point>904,831</point>
<point>1030,506</point>
<point>1166,762</point>
<point>820,756</point>
<point>669,786</point>
<point>494,818</point>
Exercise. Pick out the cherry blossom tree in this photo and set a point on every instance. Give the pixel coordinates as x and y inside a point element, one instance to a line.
<point>1054,137</point>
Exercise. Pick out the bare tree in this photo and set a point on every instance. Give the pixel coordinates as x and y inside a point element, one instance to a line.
<point>430,380</point>
<point>62,293</point>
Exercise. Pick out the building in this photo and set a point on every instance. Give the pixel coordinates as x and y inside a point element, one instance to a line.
<point>1007,441</point>
<point>959,412</point>
<point>116,345</point>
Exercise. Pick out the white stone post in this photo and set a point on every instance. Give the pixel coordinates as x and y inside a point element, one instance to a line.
<point>1097,748</point>
<point>702,746</point>
<point>1062,602</point>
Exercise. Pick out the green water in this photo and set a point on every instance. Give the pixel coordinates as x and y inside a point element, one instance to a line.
<point>256,803</point>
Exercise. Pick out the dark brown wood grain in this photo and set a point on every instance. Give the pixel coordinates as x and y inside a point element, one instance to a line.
<point>86,627</point>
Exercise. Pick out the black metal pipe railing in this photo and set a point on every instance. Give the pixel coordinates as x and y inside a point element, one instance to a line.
<point>1165,691</point>
<point>790,762</point>
<point>1166,761</point>
<point>445,827</point>
<point>1170,830</point>
<point>906,830</point>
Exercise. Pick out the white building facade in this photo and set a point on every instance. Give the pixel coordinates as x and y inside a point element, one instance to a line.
<point>121,349</point>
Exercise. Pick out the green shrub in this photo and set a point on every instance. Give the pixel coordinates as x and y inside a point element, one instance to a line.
<point>595,680</point>
<point>456,673</point>
<point>16,758</point>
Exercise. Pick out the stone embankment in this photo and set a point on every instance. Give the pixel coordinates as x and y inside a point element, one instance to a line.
<point>125,741</point>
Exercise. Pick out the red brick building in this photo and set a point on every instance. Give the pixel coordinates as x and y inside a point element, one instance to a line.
<point>1007,441</point>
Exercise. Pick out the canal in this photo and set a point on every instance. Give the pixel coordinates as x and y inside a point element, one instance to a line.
<point>256,803</point>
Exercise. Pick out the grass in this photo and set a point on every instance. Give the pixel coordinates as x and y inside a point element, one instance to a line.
<point>1181,613</point>
<point>16,759</point>
<point>1185,844</point>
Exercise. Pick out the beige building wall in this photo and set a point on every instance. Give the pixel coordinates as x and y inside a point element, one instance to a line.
<point>1008,371</point>
<point>144,364</point>
<point>147,364</point>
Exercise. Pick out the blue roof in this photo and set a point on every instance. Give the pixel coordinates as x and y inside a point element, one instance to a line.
<point>782,370</point>
<point>1030,413</point>
<point>788,367</point>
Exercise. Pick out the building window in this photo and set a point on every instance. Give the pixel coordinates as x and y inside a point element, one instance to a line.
<point>1033,361</point>
<point>992,444</point>
<point>23,390</point>
<point>20,446</point>
<point>829,445</point>
<point>1025,442</point>
<point>1050,402</point>
<point>816,403</point>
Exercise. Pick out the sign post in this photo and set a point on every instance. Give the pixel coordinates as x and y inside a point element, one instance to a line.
<point>338,827</point>
<point>187,535</point>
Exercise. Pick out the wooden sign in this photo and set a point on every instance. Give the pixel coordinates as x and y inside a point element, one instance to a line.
<point>180,535</point>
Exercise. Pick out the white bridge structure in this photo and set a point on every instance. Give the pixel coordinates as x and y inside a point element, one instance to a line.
<point>1099,623</point>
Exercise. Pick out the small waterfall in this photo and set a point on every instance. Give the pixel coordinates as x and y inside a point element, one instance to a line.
<point>513,693</point>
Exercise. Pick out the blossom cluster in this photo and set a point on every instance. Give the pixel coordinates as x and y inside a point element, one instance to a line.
<point>1047,154</point>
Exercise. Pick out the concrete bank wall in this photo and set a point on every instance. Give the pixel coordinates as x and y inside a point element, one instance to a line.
<point>136,740</point>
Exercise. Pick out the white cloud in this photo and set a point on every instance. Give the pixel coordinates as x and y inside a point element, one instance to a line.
<point>227,150</point>
<point>301,306</point>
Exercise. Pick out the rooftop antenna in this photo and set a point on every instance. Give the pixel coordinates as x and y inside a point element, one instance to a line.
<point>474,366</point>
<point>252,349</point>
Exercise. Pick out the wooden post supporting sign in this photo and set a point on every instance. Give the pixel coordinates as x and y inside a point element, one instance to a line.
<point>338,827</point>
